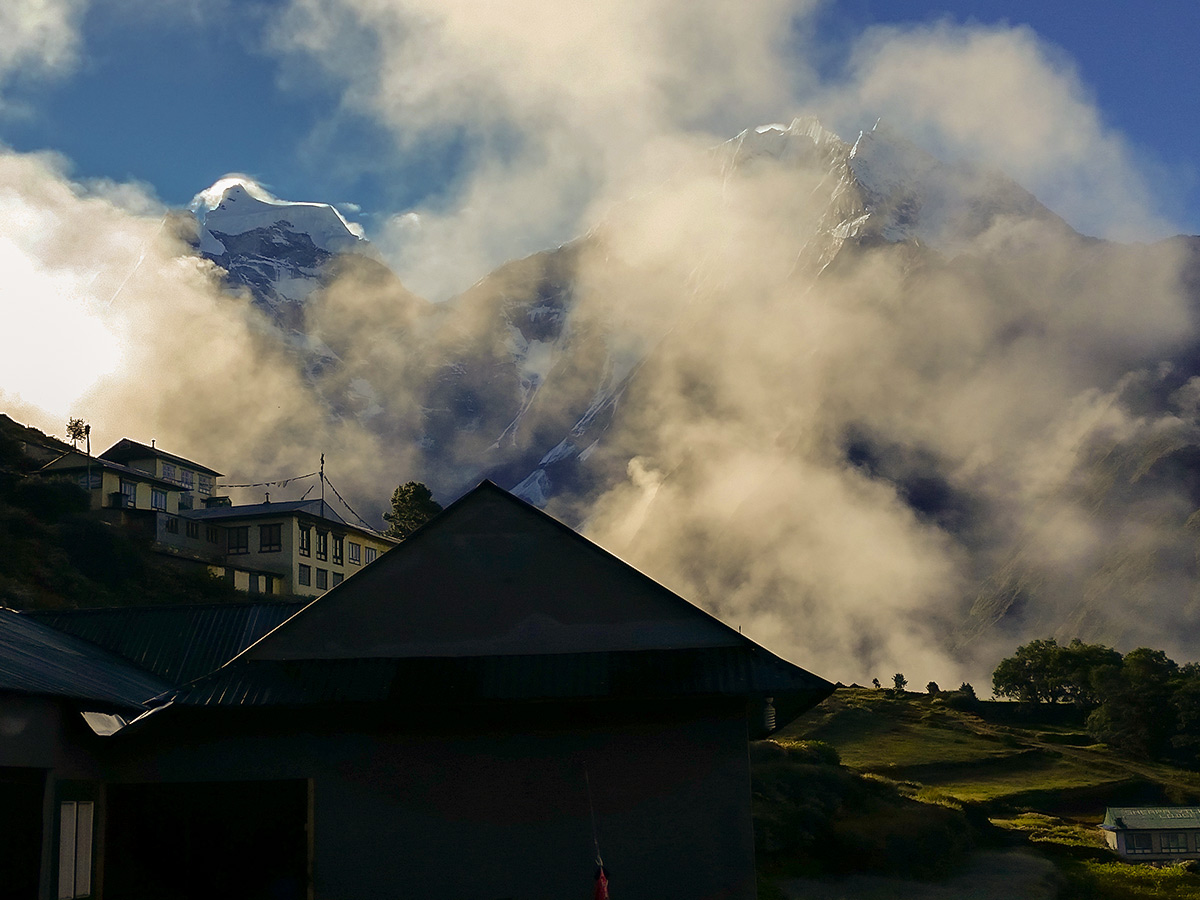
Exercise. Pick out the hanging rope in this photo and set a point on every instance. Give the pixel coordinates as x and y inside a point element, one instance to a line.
<point>366,524</point>
<point>280,483</point>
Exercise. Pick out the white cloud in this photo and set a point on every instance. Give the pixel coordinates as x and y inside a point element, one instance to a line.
<point>1002,97</point>
<point>558,103</point>
<point>39,36</point>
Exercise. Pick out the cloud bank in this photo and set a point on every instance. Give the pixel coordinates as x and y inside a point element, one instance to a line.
<point>907,464</point>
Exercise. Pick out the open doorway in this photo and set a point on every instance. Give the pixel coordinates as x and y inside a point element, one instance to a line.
<point>21,795</point>
<point>202,840</point>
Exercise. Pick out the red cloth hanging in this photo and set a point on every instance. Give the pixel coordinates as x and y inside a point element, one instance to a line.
<point>601,884</point>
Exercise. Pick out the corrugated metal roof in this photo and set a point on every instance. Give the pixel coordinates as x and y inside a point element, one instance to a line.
<point>38,659</point>
<point>309,507</point>
<point>176,643</point>
<point>1157,817</point>
<point>496,601</point>
<point>706,672</point>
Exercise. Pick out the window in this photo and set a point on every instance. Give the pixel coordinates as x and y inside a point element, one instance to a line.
<point>322,578</point>
<point>128,493</point>
<point>158,499</point>
<point>239,539</point>
<point>253,583</point>
<point>337,578</point>
<point>355,553</point>
<point>193,530</point>
<point>322,545</point>
<point>212,534</point>
<point>168,471</point>
<point>186,478</point>
<point>206,484</point>
<point>338,541</point>
<point>305,541</point>
<point>270,538</point>
<point>268,584</point>
<point>1173,842</point>
<point>75,849</point>
<point>171,524</point>
<point>371,553</point>
<point>304,574</point>
<point>1138,842</point>
<point>95,482</point>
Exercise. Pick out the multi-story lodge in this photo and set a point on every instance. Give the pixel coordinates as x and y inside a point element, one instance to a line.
<point>301,548</point>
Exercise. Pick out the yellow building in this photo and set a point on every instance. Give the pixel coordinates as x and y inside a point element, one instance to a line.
<point>304,544</point>
<point>300,547</point>
<point>114,486</point>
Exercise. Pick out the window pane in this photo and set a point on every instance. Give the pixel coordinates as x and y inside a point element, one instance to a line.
<point>66,851</point>
<point>83,850</point>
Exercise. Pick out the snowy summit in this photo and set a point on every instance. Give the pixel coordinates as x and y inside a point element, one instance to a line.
<point>236,206</point>
<point>277,249</point>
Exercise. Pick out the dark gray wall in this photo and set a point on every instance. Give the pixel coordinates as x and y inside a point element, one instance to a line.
<point>497,811</point>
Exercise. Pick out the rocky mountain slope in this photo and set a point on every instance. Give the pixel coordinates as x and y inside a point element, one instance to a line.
<point>1002,410</point>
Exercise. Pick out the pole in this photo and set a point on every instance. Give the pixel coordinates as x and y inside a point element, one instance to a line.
<point>322,485</point>
<point>87,435</point>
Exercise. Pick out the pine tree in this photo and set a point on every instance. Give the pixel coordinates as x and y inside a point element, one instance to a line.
<point>412,506</point>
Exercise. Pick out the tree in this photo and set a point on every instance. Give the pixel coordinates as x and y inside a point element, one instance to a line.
<point>76,431</point>
<point>412,506</point>
<point>932,689</point>
<point>899,682</point>
<point>1138,715</point>
<point>1044,672</point>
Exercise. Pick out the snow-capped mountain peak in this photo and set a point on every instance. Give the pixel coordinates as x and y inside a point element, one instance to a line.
<point>278,249</point>
<point>236,205</point>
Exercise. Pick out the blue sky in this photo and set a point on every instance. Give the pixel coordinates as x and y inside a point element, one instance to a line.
<point>175,99</point>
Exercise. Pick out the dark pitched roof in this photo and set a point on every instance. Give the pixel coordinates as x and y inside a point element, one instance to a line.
<point>1118,818</point>
<point>74,461</point>
<point>313,508</point>
<point>125,450</point>
<point>37,659</point>
<point>495,600</point>
<point>175,643</point>
<point>492,576</point>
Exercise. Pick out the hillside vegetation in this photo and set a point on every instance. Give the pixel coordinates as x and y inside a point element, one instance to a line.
<point>57,555</point>
<point>877,793</point>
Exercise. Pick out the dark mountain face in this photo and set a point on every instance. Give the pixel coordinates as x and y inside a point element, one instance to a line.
<point>884,395</point>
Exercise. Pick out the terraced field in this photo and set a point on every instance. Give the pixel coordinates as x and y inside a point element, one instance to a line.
<point>1033,778</point>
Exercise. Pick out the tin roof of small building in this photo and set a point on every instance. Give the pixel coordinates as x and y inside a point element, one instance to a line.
<point>38,659</point>
<point>174,643</point>
<point>1119,818</point>
<point>315,509</point>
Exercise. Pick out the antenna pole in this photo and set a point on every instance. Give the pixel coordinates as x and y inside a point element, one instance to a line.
<point>322,485</point>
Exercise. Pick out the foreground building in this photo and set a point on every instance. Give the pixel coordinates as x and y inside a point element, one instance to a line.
<point>1153,833</point>
<point>470,717</point>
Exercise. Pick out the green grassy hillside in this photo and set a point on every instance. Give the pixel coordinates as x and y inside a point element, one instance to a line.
<point>931,801</point>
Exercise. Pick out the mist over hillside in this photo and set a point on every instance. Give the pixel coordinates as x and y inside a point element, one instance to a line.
<point>883,412</point>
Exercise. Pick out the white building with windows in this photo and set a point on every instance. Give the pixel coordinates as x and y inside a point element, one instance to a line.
<point>1153,833</point>
<point>299,547</point>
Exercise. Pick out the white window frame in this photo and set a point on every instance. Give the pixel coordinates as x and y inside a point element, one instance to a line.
<point>75,825</point>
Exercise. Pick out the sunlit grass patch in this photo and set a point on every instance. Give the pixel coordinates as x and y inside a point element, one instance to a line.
<point>1117,880</point>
